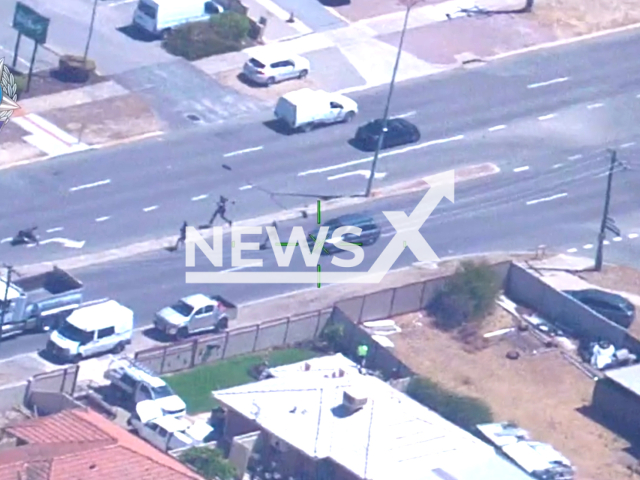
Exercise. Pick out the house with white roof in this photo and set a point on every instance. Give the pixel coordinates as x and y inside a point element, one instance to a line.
<point>347,426</point>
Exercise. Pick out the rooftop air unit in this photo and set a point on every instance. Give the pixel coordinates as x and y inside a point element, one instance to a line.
<point>353,400</point>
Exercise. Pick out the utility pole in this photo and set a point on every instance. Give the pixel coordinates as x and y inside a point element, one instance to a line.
<point>6,297</point>
<point>385,118</point>
<point>91,25</point>
<point>607,222</point>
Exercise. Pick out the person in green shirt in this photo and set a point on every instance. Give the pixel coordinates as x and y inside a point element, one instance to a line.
<point>363,350</point>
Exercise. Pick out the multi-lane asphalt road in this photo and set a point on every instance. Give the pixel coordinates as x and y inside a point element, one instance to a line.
<point>546,119</point>
<point>114,197</point>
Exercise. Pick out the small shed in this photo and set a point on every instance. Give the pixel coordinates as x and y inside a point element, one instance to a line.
<point>616,399</point>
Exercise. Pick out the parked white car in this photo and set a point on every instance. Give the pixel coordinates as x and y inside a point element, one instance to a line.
<point>167,432</point>
<point>267,69</point>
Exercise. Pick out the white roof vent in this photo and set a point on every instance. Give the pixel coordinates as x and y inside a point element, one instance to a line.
<point>353,400</point>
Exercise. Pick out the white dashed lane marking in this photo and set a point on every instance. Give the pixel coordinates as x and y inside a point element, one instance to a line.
<point>547,117</point>
<point>150,209</point>
<point>521,169</point>
<point>547,83</point>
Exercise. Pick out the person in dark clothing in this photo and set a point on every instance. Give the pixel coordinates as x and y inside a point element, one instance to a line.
<point>183,236</point>
<point>221,210</point>
<point>263,245</point>
<point>28,236</point>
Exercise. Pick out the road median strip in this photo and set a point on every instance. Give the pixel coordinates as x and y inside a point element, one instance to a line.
<point>468,173</point>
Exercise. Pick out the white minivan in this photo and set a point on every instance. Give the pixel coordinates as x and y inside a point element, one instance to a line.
<point>92,329</point>
<point>158,17</point>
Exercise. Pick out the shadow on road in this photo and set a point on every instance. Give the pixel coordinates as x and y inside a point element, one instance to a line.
<point>156,335</point>
<point>278,127</point>
<point>248,82</point>
<point>135,33</point>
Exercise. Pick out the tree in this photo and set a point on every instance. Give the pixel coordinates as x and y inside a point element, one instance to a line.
<point>231,26</point>
<point>468,295</point>
<point>209,462</point>
<point>464,411</point>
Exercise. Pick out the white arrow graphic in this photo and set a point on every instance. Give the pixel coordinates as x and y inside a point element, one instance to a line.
<point>65,242</point>
<point>364,173</point>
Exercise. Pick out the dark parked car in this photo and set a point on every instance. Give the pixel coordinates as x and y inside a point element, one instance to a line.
<point>610,305</point>
<point>369,235</point>
<point>335,3</point>
<point>399,132</point>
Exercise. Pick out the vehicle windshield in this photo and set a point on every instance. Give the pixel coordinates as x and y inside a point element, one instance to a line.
<point>256,63</point>
<point>147,9</point>
<point>182,308</point>
<point>73,333</point>
<point>162,392</point>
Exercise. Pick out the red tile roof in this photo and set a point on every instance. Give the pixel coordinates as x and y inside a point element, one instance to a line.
<point>80,444</point>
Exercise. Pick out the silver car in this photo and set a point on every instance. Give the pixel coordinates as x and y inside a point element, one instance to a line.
<point>269,69</point>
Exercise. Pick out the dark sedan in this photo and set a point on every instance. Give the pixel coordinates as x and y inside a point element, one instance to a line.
<point>399,132</point>
<point>611,306</point>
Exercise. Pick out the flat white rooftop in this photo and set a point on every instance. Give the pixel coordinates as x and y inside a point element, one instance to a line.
<point>392,437</point>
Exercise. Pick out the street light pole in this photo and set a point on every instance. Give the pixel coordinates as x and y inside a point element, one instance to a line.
<point>5,306</point>
<point>385,117</point>
<point>606,222</point>
<point>93,20</point>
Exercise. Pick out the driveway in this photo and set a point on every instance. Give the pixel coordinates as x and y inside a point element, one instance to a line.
<point>112,45</point>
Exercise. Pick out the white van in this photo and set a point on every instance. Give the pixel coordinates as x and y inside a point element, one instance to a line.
<point>158,17</point>
<point>92,329</point>
<point>306,108</point>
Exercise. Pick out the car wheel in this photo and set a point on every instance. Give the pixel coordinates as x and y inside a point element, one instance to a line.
<point>182,333</point>
<point>349,116</point>
<point>76,359</point>
<point>303,74</point>
<point>119,348</point>
<point>271,81</point>
<point>223,323</point>
<point>307,127</point>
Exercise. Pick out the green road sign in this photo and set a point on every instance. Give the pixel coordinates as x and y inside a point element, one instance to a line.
<point>30,23</point>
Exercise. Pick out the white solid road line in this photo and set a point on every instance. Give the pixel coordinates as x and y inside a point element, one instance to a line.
<point>240,152</point>
<point>595,105</point>
<point>627,145</point>
<point>574,157</point>
<point>385,154</point>
<point>235,269</point>
<point>550,82</point>
<point>364,173</point>
<point>199,197</point>
<point>90,185</point>
<point>150,209</point>
<point>521,169</point>
<point>102,219</point>
<point>246,187</point>
<point>57,229</point>
<point>405,115</point>
<point>547,117</point>
<point>497,127</point>
<point>547,199</point>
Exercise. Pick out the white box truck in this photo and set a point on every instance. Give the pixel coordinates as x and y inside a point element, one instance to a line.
<point>158,17</point>
<point>304,109</point>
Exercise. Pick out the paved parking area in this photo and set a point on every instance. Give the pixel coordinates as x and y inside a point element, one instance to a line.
<point>311,12</point>
<point>111,47</point>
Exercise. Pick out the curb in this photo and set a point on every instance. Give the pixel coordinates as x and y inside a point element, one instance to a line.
<point>565,41</point>
<point>472,172</point>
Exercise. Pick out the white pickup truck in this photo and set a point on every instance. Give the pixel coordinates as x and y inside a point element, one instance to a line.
<point>167,433</point>
<point>305,109</point>
<point>195,314</point>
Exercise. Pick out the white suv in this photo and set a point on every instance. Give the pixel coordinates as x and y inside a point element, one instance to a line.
<point>267,70</point>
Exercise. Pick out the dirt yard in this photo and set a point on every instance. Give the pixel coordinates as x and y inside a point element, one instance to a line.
<point>571,18</point>
<point>542,393</point>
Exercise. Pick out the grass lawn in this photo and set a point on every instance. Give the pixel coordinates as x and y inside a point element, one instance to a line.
<point>195,386</point>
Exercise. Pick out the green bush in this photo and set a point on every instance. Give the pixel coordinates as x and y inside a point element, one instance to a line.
<point>197,40</point>
<point>466,412</point>
<point>231,26</point>
<point>21,83</point>
<point>468,295</point>
<point>334,336</point>
<point>209,463</point>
